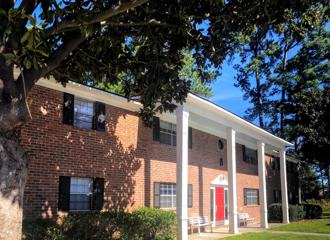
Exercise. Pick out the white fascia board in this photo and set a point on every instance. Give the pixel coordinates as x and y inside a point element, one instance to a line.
<point>90,93</point>
<point>210,110</point>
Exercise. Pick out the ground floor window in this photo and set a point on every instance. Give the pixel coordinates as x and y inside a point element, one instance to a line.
<point>80,194</point>
<point>251,196</point>
<point>165,195</point>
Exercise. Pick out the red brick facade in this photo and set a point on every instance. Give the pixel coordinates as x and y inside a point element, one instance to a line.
<point>125,156</point>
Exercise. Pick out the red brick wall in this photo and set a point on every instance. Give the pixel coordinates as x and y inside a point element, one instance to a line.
<point>125,156</point>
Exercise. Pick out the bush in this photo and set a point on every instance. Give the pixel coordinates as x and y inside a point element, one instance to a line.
<point>93,225</point>
<point>41,229</point>
<point>142,224</point>
<point>312,211</point>
<point>151,224</point>
<point>325,204</point>
<point>296,212</point>
<point>275,212</point>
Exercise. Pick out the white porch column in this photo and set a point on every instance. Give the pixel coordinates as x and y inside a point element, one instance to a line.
<point>262,185</point>
<point>182,116</point>
<point>284,187</point>
<point>232,196</point>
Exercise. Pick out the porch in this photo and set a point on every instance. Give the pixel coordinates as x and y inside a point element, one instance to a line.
<point>208,117</point>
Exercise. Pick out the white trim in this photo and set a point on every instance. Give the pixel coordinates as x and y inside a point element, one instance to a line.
<point>284,188</point>
<point>91,94</point>
<point>194,104</point>
<point>262,185</point>
<point>232,191</point>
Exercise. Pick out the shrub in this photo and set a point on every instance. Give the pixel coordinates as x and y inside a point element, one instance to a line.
<point>296,212</point>
<point>142,224</point>
<point>93,225</point>
<point>275,212</point>
<point>40,229</point>
<point>312,211</point>
<point>151,224</point>
<point>325,204</point>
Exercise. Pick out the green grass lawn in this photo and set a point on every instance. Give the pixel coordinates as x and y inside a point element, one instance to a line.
<point>273,236</point>
<point>312,226</point>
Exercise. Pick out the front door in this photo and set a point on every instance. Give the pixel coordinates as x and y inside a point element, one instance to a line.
<point>220,204</point>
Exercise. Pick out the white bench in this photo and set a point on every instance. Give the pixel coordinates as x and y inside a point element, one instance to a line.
<point>244,218</point>
<point>199,222</point>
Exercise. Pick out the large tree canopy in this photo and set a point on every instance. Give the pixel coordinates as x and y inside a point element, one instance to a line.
<point>78,40</point>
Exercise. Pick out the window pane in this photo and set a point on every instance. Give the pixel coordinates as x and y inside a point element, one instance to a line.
<point>83,113</point>
<point>80,193</point>
<point>167,133</point>
<point>251,196</point>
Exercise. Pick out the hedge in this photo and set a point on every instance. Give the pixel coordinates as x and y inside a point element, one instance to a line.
<point>325,204</point>
<point>296,212</point>
<point>142,224</point>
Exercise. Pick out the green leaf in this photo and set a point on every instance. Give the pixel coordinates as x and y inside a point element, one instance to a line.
<point>26,36</point>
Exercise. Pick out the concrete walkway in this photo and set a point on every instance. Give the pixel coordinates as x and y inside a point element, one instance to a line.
<point>221,232</point>
<point>301,233</point>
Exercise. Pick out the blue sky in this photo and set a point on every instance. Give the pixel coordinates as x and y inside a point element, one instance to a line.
<point>226,94</point>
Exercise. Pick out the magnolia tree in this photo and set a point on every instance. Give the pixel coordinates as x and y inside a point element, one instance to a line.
<point>79,40</point>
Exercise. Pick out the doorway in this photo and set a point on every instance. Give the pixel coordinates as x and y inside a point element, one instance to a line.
<point>219,205</point>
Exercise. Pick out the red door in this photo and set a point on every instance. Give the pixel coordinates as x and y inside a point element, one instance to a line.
<point>220,203</point>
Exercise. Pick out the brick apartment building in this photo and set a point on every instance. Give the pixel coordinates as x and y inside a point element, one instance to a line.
<point>89,149</point>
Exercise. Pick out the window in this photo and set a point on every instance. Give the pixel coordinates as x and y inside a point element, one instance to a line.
<point>275,162</point>
<point>165,195</point>
<point>83,113</point>
<point>80,193</point>
<point>277,196</point>
<point>251,197</point>
<point>250,155</point>
<point>167,133</point>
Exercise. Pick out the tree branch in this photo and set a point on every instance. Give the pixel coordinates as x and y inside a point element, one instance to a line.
<point>97,18</point>
<point>32,76</point>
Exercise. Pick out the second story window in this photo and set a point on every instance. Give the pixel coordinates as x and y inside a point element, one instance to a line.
<point>165,132</point>
<point>250,155</point>
<point>83,113</point>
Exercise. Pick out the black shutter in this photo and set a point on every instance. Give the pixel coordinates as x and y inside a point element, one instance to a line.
<point>245,200</point>
<point>256,157</point>
<point>68,108</point>
<point>244,153</point>
<point>98,192</point>
<point>190,195</point>
<point>99,116</point>
<point>190,137</point>
<point>156,128</point>
<point>156,195</point>
<point>64,194</point>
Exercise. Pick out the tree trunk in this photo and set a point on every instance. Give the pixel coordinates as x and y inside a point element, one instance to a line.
<point>13,169</point>
<point>13,159</point>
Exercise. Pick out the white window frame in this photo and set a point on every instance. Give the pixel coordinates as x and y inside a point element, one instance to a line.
<point>89,115</point>
<point>251,199</point>
<point>89,192</point>
<point>172,194</point>
<point>171,131</point>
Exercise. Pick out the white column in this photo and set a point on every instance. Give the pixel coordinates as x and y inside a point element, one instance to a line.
<point>284,188</point>
<point>262,185</point>
<point>232,196</point>
<point>182,116</point>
